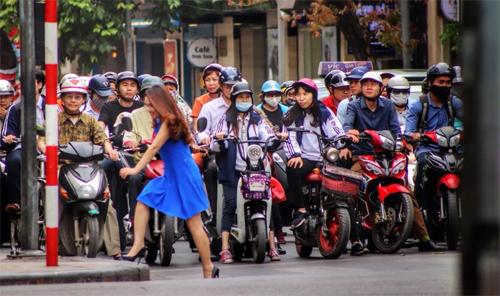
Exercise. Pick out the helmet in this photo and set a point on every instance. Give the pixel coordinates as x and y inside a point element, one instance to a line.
<point>270,86</point>
<point>458,75</point>
<point>73,85</point>
<point>85,79</point>
<point>425,86</point>
<point>111,76</point>
<point>386,75</point>
<point>170,79</point>
<point>371,76</point>
<point>440,69</point>
<point>357,73</point>
<point>307,82</point>
<point>398,82</point>
<point>287,85</point>
<point>142,77</point>
<point>338,80</point>
<point>211,67</point>
<point>329,76</point>
<point>229,75</point>
<point>126,75</point>
<point>66,77</point>
<point>100,85</point>
<point>6,88</point>
<point>149,82</point>
<point>239,88</point>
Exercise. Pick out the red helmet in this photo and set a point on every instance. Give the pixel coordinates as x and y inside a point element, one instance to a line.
<point>307,82</point>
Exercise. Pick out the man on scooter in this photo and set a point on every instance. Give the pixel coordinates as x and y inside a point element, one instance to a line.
<point>441,108</point>
<point>77,126</point>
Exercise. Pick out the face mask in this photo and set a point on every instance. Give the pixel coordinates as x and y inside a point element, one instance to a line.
<point>243,107</point>
<point>98,102</point>
<point>291,102</point>
<point>272,101</point>
<point>173,94</point>
<point>441,91</point>
<point>400,99</point>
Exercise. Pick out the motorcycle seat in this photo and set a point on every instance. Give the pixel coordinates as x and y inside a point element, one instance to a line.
<point>313,177</point>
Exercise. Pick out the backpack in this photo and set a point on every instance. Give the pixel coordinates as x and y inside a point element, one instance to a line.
<point>422,122</point>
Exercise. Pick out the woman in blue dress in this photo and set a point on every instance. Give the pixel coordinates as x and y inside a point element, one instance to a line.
<point>179,192</point>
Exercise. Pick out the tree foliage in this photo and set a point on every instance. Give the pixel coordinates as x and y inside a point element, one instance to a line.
<point>452,33</point>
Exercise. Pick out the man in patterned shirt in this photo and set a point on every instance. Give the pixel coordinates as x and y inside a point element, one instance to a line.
<point>80,127</point>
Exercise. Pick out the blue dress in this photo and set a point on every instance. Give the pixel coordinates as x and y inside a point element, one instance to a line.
<point>179,192</point>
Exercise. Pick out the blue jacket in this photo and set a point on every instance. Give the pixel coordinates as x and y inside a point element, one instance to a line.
<point>12,125</point>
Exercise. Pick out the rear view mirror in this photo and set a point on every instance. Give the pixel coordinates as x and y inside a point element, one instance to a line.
<point>118,130</point>
<point>127,124</point>
<point>201,125</point>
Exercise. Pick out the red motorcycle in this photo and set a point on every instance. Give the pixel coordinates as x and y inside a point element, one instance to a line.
<point>385,208</point>
<point>442,210</point>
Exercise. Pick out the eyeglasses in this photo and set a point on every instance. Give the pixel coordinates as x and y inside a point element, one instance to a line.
<point>5,97</point>
<point>73,97</point>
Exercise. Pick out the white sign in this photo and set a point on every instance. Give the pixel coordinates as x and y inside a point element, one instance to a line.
<point>201,52</point>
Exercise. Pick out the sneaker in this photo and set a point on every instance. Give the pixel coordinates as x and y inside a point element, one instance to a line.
<point>13,208</point>
<point>429,246</point>
<point>298,219</point>
<point>280,237</point>
<point>226,257</point>
<point>358,250</point>
<point>273,254</point>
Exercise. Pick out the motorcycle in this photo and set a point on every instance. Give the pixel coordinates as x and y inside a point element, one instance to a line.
<point>327,191</point>
<point>253,201</point>
<point>84,199</point>
<point>385,208</point>
<point>442,211</point>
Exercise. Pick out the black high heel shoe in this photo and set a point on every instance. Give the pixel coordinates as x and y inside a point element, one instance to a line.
<point>139,254</point>
<point>215,272</point>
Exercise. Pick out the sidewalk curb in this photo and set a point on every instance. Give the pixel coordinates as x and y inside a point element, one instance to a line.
<point>119,273</point>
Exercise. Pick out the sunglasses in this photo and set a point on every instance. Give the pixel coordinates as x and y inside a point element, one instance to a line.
<point>400,92</point>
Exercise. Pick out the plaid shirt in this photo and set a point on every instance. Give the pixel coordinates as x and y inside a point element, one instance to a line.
<point>86,129</point>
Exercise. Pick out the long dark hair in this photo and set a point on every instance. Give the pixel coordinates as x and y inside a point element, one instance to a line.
<point>232,113</point>
<point>166,106</point>
<point>296,112</point>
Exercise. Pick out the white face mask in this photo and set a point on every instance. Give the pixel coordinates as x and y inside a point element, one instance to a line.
<point>400,99</point>
<point>272,101</point>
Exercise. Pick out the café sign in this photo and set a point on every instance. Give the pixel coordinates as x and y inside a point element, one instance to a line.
<point>201,52</point>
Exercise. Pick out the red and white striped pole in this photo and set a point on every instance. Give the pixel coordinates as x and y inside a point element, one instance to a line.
<point>51,134</point>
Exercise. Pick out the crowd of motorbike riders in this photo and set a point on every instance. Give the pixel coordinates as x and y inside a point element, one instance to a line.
<point>359,100</point>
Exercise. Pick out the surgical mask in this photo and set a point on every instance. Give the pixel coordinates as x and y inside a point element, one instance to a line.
<point>272,101</point>
<point>173,94</point>
<point>99,102</point>
<point>243,107</point>
<point>290,102</point>
<point>442,92</point>
<point>399,98</point>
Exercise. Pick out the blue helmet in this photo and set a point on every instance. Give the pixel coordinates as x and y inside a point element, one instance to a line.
<point>357,73</point>
<point>271,86</point>
<point>142,77</point>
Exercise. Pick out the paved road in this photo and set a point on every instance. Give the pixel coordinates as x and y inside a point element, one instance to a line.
<point>407,272</point>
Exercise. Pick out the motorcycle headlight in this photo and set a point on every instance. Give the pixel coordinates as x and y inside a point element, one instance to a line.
<point>254,152</point>
<point>86,192</point>
<point>332,155</point>
<point>455,140</point>
<point>372,167</point>
<point>398,166</point>
<point>442,141</point>
<point>387,144</point>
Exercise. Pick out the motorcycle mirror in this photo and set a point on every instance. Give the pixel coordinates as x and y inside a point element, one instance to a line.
<point>127,124</point>
<point>201,125</point>
<point>118,130</point>
<point>40,131</point>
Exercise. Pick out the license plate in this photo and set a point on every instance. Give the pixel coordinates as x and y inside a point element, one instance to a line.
<point>257,186</point>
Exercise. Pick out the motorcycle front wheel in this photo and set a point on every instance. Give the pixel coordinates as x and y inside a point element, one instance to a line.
<point>166,240</point>
<point>391,235</point>
<point>259,244</point>
<point>451,211</point>
<point>89,232</point>
<point>333,237</point>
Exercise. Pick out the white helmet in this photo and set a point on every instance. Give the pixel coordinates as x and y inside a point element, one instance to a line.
<point>371,76</point>
<point>6,89</point>
<point>73,85</point>
<point>398,90</point>
<point>66,77</point>
<point>398,82</point>
<point>85,79</point>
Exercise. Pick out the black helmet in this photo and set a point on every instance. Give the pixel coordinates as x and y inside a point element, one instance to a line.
<point>338,80</point>
<point>100,85</point>
<point>111,76</point>
<point>328,77</point>
<point>141,78</point>
<point>286,86</point>
<point>126,75</point>
<point>425,86</point>
<point>239,88</point>
<point>149,82</point>
<point>440,69</point>
<point>211,67</point>
<point>229,75</point>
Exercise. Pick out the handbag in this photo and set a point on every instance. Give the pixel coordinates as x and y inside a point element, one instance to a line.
<point>277,190</point>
